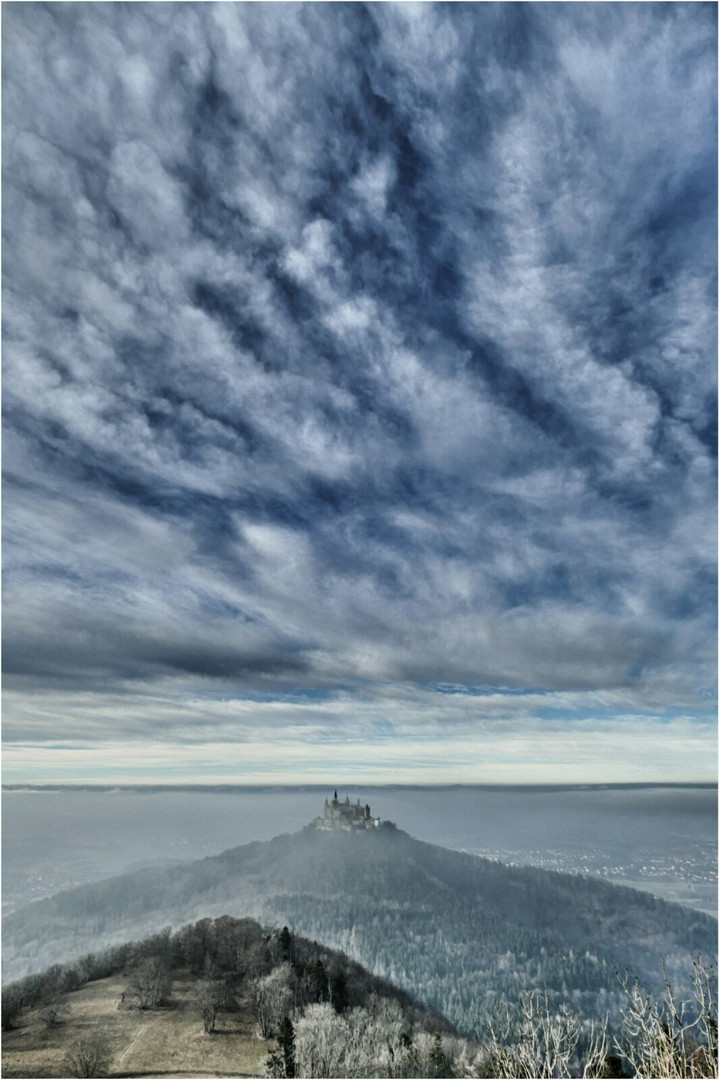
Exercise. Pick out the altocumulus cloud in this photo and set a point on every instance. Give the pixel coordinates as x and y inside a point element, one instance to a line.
<point>359,389</point>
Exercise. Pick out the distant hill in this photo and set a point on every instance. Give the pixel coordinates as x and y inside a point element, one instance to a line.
<point>96,1006</point>
<point>452,928</point>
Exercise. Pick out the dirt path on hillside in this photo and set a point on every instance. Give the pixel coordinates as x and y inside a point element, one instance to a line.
<point>135,1036</point>
<point>138,1034</point>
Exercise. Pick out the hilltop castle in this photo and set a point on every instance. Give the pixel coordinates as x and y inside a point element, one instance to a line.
<point>346,815</point>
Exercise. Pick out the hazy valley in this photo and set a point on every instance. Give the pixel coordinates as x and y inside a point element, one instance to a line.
<point>437,922</point>
<point>662,839</point>
<point>464,938</point>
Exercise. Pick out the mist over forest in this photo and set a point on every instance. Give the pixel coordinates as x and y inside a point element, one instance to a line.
<point>660,838</point>
<point>366,893</point>
<point>464,935</point>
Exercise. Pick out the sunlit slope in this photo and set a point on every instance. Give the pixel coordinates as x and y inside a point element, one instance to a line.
<point>438,922</point>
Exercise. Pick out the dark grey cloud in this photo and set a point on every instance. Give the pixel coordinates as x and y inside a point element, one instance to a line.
<point>350,345</point>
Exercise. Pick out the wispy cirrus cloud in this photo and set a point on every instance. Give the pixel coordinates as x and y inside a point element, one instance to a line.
<point>354,349</point>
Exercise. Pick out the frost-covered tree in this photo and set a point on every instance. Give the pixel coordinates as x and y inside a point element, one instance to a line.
<point>375,1040</point>
<point>320,1039</point>
<point>539,1041</point>
<point>673,1037</point>
<point>270,997</point>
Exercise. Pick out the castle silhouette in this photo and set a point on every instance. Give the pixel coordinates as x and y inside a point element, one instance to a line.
<point>346,815</point>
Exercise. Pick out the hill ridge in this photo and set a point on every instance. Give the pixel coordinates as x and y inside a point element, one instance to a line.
<point>46,1017</point>
<point>368,893</point>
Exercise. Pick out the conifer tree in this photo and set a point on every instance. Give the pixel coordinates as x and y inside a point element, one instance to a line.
<point>285,945</point>
<point>286,1045</point>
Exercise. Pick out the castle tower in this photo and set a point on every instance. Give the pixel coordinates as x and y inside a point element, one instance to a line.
<point>346,815</point>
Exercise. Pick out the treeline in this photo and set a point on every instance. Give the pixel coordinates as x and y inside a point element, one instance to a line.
<point>466,936</point>
<point>438,923</point>
<point>326,1016</point>
<point>264,965</point>
<point>374,1040</point>
<point>443,955</point>
<point>506,931</point>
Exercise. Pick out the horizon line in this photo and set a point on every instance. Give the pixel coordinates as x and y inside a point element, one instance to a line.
<point>55,785</point>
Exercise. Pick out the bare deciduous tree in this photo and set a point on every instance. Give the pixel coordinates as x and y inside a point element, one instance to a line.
<point>320,1036</point>
<point>149,984</point>
<point>270,997</point>
<point>372,1041</point>
<point>212,996</point>
<point>543,1042</point>
<point>672,1038</point>
<point>89,1057</point>
<point>54,1011</point>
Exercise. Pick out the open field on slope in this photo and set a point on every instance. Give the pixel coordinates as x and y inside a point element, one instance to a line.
<point>165,1042</point>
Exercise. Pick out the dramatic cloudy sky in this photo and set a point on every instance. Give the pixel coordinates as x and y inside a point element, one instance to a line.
<point>359,391</point>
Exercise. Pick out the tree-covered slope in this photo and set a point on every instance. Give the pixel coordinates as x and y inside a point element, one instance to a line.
<point>440,923</point>
<point>152,1007</point>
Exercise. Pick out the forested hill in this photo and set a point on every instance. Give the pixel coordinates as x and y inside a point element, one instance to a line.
<point>439,923</point>
<point>275,998</point>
